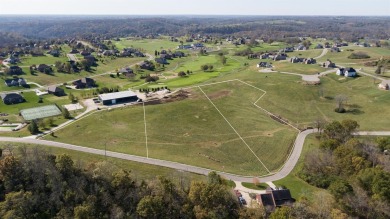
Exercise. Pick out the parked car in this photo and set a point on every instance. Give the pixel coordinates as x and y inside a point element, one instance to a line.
<point>242,200</point>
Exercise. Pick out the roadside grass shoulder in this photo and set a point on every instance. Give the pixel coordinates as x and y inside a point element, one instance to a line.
<point>139,171</point>
<point>259,186</point>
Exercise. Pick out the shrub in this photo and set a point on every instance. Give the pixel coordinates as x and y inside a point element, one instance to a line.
<point>358,55</point>
<point>340,110</point>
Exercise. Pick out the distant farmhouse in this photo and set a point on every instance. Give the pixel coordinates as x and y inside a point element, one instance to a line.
<point>12,98</point>
<point>347,72</point>
<point>118,97</point>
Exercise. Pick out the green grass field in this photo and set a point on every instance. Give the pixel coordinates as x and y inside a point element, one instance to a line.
<point>148,45</point>
<point>302,104</point>
<point>201,136</point>
<point>300,68</point>
<point>46,59</point>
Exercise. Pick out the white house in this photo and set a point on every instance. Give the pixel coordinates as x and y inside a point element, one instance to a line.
<point>347,72</point>
<point>385,85</point>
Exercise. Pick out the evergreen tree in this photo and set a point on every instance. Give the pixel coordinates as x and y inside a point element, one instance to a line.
<point>33,127</point>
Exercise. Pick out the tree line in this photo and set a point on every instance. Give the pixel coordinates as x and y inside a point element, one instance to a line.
<point>356,172</point>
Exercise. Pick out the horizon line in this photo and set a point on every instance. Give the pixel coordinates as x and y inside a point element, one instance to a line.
<point>214,15</point>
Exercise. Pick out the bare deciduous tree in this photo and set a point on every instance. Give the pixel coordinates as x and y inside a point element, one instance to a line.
<point>340,100</point>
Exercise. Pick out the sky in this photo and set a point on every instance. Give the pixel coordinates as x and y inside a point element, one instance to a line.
<point>196,7</point>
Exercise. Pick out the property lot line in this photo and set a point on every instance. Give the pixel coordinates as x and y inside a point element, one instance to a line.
<point>234,130</point>
<point>146,135</point>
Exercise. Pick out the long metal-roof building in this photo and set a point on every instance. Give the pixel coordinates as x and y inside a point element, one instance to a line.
<point>118,97</point>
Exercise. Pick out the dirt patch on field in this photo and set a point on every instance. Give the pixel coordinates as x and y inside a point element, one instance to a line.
<point>219,94</point>
<point>177,96</point>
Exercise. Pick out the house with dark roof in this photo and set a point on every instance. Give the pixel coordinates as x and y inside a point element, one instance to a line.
<point>300,47</point>
<point>12,60</point>
<point>162,61</point>
<point>186,46</point>
<point>264,65</point>
<point>14,70</point>
<point>55,52</point>
<point>15,82</point>
<point>335,49</point>
<point>296,59</point>
<point>347,72</point>
<point>319,46</point>
<point>275,198</point>
<point>12,98</point>
<point>178,54</point>
<point>277,57</point>
<point>147,65</point>
<point>85,53</point>
<point>91,59</point>
<point>166,56</point>
<point>329,64</point>
<point>56,91</point>
<point>309,61</point>
<point>44,68</point>
<point>197,45</point>
<point>84,83</point>
<point>74,51</point>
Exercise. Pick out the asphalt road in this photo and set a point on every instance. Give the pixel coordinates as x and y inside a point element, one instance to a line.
<point>284,171</point>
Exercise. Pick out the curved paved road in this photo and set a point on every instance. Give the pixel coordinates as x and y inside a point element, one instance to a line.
<point>284,171</point>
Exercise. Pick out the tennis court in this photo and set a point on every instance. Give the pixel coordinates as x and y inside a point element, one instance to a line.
<point>40,112</point>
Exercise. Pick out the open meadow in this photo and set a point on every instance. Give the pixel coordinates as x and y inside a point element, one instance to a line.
<point>192,131</point>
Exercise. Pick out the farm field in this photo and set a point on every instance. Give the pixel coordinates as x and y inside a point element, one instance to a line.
<point>201,136</point>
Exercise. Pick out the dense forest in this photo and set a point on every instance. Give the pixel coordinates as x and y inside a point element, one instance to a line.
<point>264,27</point>
<point>356,172</point>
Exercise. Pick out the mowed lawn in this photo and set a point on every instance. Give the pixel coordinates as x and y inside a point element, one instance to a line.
<point>190,131</point>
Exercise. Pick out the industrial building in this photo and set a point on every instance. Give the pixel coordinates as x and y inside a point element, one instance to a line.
<point>118,97</point>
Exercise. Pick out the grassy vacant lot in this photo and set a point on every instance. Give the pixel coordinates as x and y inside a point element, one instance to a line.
<point>148,45</point>
<point>138,170</point>
<point>342,57</point>
<point>300,68</point>
<point>191,131</point>
<point>302,104</point>
<point>193,64</point>
<point>46,59</point>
